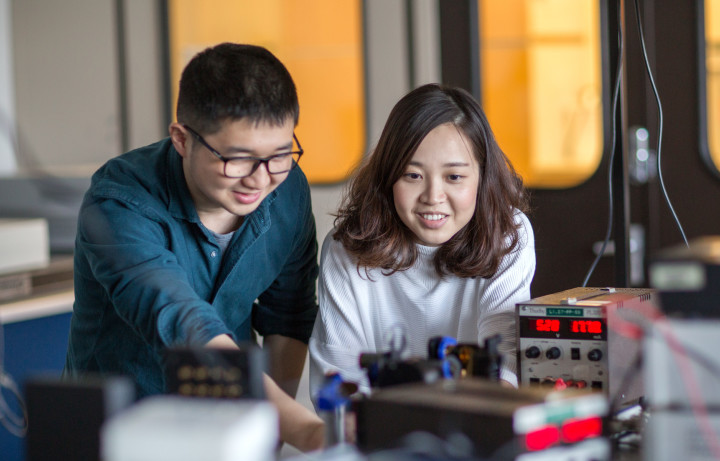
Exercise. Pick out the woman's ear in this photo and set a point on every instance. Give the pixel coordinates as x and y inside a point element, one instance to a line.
<point>179,137</point>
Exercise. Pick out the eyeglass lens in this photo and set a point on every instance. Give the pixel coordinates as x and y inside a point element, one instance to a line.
<point>239,167</point>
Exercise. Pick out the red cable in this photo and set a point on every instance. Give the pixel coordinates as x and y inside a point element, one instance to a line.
<point>660,321</point>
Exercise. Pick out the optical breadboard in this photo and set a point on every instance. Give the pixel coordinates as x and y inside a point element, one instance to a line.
<point>569,338</point>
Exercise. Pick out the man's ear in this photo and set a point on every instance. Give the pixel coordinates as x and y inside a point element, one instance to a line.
<point>180,138</point>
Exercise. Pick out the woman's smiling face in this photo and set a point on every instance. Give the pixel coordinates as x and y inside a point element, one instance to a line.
<point>436,195</point>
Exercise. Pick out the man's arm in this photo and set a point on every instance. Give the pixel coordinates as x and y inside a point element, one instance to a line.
<point>299,426</point>
<point>127,253</point>
<point>287,359</point>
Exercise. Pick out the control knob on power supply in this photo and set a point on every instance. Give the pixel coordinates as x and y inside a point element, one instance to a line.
<point>595,355</point>
<point>553,353</point>
<point>532,352</point>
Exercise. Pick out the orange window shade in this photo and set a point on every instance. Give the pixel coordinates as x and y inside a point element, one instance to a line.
<point>320,42</point>
<point>541,86</point>
<point>712,65</point>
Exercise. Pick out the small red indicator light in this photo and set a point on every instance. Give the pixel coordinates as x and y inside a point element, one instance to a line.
<point>542,438</point>
<point>575,430</point>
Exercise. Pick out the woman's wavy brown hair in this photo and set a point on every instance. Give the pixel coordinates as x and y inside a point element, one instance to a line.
<point>367,223</point>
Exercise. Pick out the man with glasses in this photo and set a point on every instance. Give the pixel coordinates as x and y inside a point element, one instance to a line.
<point>203,237</point>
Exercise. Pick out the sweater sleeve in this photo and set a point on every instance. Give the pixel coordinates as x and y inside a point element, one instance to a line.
<point>509,286</point>
<point>338,336</point>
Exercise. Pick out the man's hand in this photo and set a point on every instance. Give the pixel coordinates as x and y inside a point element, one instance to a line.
<point>222,342</point>
<point>507,384</point>
<point>299,426</point>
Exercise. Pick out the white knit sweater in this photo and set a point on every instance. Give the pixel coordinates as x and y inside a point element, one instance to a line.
<point>358,314</point>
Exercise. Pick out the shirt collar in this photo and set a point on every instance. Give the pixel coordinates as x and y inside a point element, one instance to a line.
<point>180,204</point>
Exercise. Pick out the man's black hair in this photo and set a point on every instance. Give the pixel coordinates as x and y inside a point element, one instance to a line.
<point>234,81</point>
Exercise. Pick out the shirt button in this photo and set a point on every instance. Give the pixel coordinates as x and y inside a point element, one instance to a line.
<point>213,254</point>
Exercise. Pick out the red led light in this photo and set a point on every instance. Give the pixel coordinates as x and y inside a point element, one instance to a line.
<point>547,325</point>
<point>586,326</point>
<point>542,438</point>
<point>575,430</point>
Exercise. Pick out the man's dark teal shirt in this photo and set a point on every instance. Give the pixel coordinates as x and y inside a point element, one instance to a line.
<point>149,275</point>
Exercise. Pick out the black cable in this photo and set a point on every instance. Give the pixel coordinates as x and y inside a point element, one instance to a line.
<point>660,120</point>
<point>616,94</point>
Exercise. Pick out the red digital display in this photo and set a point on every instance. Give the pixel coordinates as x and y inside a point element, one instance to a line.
<point>586,326</point>
<point>564,327</point>
<point>550,325</point>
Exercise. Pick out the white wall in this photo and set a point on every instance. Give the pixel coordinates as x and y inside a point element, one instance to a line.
<point>66,82</point>
<point>8,164</point>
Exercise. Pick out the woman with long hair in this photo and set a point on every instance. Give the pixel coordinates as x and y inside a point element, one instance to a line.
<point>431,239</point>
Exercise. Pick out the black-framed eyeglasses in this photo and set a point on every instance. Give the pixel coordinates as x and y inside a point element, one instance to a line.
<point>241,167</point>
